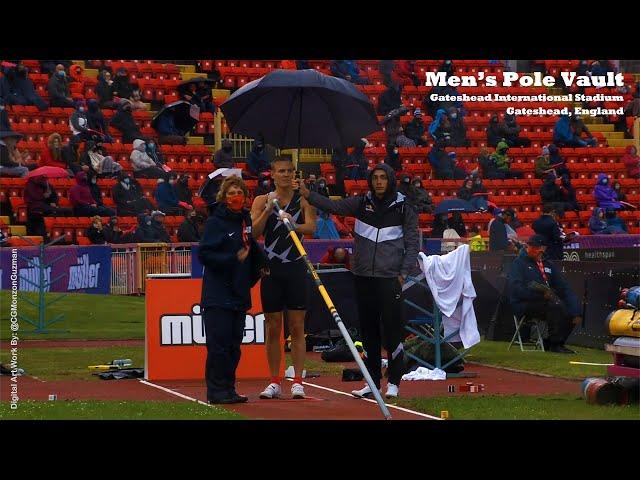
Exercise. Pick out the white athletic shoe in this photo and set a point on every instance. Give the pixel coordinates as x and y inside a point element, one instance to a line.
<point>273,390</point>
<point>392,391</point>
<point>297,391</point>
<point>363,392</point>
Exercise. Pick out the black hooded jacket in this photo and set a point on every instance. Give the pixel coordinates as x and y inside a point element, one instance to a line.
<point>226,281</point>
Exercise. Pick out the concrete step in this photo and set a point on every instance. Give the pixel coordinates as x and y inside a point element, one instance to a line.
<point>220,93</point>
<point>91,72</point>
<point>190,75</point>
<point>313,158</point>
<point>186,69</point>
<point>593,120</point>
<point>79,62</point>
<point>613,135</point>
<point>620,142</point>
<point>17,229</point>
<point>195,141</point>
<point>603,127</point>
<point>4,219</point>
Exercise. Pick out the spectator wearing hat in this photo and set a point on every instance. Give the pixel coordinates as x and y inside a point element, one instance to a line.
<point>223,158</point>
<point>467,193</point>
<point>457,128</point>
<point>128,196</point>
<point>160,234</point>
<point>9,167</point>
<point>499,229</point>
<point>439,128</point>
<point>503,161</point>
<point>415,129</point>
<point>143,165</point>
<point>58,88</point>
<point>257,160</point>
<point>123,120</point>
<point>538,290</point>
<point>605,196</point>
<point>96,120</point>
<point>547,227</point>
<point>542,165</point>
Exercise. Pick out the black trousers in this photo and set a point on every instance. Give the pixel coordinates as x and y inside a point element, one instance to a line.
<point>224,330</point>
<point>380,307</point>
<point>555,314</point>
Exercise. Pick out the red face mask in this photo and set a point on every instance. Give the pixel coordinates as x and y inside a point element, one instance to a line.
<point>235,202</point>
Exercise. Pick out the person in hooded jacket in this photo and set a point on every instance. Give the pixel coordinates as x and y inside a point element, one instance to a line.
<point>233,262</point>
<point>96,120</point>
<point>605,195</point>
<point>52,155</point>
<point>631,161</point>
<point>128,199</point>
<point>511,131</point>
<point>494,131</point>
<point>466,192</point>
<point>393,157</point>
<point>622,197</point>
<point>547,226</point>
<point>419,197</point>
<point>83,202</point>
<point>390,99</point>
<point>104,89</point>
<point>182,189</point>
<point>503,162</point>
<point>123,120</point>
<point>160,233</point>
<point>265,185</point>
<point>17,88</point>
<point>439,129</point>
<point>58,88</point>
<point>42,201</point>
<point>189,230</point>
<point>348,70</point>
<point>121,86</point>
<point>223,158</point>
<point>386,250</point>
<point>556,161</point>
<point>597,223</point>
<point>257,160</point>
<point>96,194</point>
<point>439,225</point>
<point>568,193</point>
<point>167,198</point>
<point>168,132</point>
<point>144,233</point>
<point>98,160</point>
<point>551,194</point>
<point>143,165</point>
<point>457,128</point>
<point>357,162</point>
<point>415,129</point>
<point>614,223</point>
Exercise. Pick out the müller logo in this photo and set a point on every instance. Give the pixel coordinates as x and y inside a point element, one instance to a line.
<point>183,329</point>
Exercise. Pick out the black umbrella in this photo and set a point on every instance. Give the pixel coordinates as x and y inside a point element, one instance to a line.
<point>301,109</point>
<point>181,111</point>
<point>182,86</point>
<point>454,205</point>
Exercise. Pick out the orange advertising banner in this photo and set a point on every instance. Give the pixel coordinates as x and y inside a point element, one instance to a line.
<point>175,341</point>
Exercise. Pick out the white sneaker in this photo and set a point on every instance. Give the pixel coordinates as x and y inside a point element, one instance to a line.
<point>362,393</point>
<point>392,391</point>
<point>297,391</point>
<point>273,390</point>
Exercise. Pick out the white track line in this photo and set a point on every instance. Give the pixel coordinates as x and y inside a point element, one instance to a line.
<point>339,392</point>
<point>177,394</point>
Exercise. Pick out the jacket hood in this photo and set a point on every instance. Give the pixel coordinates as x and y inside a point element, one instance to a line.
<point>601,177</point>
<point>502,146</point>
<point>81,178</point>
<point>137,143</point>
<point>391,186</point>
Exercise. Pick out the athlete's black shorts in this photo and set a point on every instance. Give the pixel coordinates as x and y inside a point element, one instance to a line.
<point>284,288</point>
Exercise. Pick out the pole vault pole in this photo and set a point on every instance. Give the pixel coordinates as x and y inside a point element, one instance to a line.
<point>334,313</point>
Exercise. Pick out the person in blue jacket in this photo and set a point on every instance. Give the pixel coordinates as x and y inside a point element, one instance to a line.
<point>537,289</point>
<point>233,263</point>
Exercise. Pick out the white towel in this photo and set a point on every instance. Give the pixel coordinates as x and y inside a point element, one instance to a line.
<point>449,277</point>
<point>423,373</point>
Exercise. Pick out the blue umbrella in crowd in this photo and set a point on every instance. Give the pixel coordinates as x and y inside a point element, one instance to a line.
<point>301,109</point>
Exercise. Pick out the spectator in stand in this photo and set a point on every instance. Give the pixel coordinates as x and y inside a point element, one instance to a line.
<point>565,136</point>
<point>182,189</point>
<point>104,89</point>
<point>447,67</point>
<point>144,233</point>
<point>257,160</point>
<point>166,196</point>
<point>542,164</point>
<point>478,187</point>
<point>99,161</point>
<point>348,70</point>
<point>49,66</point>
<point>16,88</point>
<point>415,129</point>
<point>631,110</point>
<point>547,226</point>
<point>605,195</point>
<point>487,166</point>
<point>58,88</point>
<point>42,201</point>
<point>597,223</point>
<point>476,242</point>
<point>467,192</point>
<point>340,160</point>
<point>83,202</point>
<point>122,87</point>
<point>143,165</point>
<point>578,126</point>
<point>96,194</point>
<point>9,167</point>
<point>419,197</point>
<point>168,133</point>
<point>157,227</point>
<point>614,223</point>
<point>494,131</point>
<point>502,161</point>
<point>439,128</point>
<point>71,157</point>
<point>128,198</point>
<point>439,225</point>
<point>5,124</point>
<point>432,106</point>
<point>357,162</point>
<point>568,194</point>
<point>79,125</point>
<point>21,158</point>
<point>265,185</point>
<point>404,186</point>
<point>457,129</point>
<point>511,131</point>
<point>552,194</point>
<point>137,102</point>
<point>223,158</point>
<point>52,155</point>
<point>631,161</point>
<point>402,141</point>
<point>96,120</point>
<point>189,230</point>
<point>95,232</point>
<point>123,121</point>
<point>501,235</point>
<point>153,150</point>
<point>390,99</point>
<point>557,162</point>
<point>440,161</point>
<point>337,256</point>
<point>622,197</point>
<point>112,232</point>
<point>457,223</point>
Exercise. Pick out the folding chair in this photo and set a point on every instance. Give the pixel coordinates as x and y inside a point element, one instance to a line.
<point>536,334</point>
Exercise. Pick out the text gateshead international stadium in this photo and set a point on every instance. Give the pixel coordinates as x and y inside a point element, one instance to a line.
<point>543,97</point>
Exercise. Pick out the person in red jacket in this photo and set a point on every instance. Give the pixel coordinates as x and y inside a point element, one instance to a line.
<point>52,155</point>
<point>337,255</point>
<point>84,205</point>
<point>631,160</point>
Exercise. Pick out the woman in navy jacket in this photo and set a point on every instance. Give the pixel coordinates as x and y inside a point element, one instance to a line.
<point>233,263</point>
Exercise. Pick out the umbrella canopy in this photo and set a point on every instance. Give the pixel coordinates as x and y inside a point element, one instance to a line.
<point>49,172</point>
<point>182,86</point>
<point>181,111</point>
<point>301,109</point>
<point>454,205</point>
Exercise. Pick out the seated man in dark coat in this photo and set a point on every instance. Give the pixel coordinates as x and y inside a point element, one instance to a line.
<point>538,290</point>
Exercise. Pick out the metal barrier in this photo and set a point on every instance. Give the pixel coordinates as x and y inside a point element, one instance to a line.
<point>123,269</point>
<point>180,258</point>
